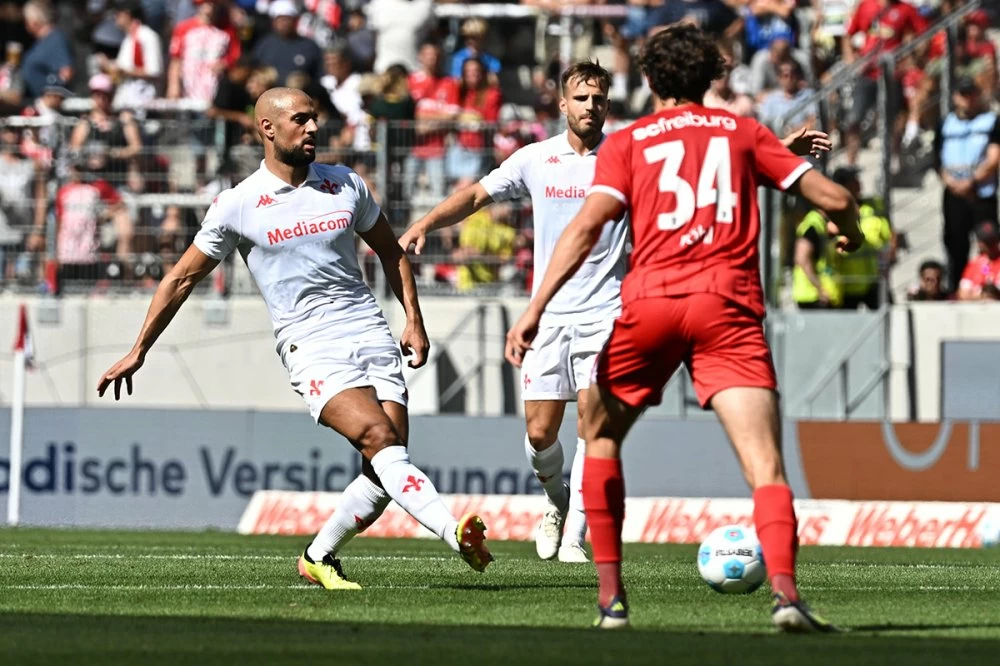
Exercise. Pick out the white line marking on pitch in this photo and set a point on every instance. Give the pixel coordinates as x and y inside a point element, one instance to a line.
<point>264,586</point>
<point>148,556</point>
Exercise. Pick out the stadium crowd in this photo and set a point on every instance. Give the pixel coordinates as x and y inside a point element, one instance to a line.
<point>107,103</point>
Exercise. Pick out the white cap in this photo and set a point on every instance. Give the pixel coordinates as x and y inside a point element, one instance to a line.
<point>283,8</point>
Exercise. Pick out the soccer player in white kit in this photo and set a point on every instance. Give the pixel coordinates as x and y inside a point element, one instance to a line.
<point>556,174</point>
<point>294,224</point>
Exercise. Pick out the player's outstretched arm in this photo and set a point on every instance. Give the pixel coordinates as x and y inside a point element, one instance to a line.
<point>399,272</point>
<point>839,205</point>
<point>451,211</point>
<point>174,289</point>
<point>575,243</point>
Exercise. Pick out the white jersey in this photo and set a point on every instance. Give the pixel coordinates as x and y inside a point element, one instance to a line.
<point>299,245</point>
<point>557,179</point>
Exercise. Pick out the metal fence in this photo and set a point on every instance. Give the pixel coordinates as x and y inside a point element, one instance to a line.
<point>868,105</point>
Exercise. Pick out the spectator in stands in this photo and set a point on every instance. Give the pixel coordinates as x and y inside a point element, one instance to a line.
<point>859,273</point>
<point>764,67</point>
<point>360,40</point>
<point>983,272</point>
<point>967,152</point>
<point>474,34</point>
<point>478,103</point>
<point>399,26</point>
<point>432,94</point>
<point>284,49</point>
<point>832,17</point>
<point>39,143</point>
<point>201,48</point>
<point>81,205</point>
<point>484,243</point>
<point>139,65</point>
<point>722,95</point>
<point>320,21</point>
<point>713,16</point>
<point>22,203</point>
<point>931,287</point>
<point>813,284</point>
<point>11,85</point>
<point>765,21</point>
<point>391,102</point>
<point>881,26</point>
<point>777,105</point>
<point>111,139</point>
<point>979,53</point>
<point>343,84</point>
<point>49,60</point>
<point>232,103</point>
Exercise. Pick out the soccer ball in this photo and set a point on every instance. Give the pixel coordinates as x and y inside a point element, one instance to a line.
<point>731,561</point>
<point>989,536</point>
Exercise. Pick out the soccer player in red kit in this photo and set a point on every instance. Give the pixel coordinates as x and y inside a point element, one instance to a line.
<point>688,177</point>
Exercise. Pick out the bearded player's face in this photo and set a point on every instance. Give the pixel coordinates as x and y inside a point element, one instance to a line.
<point>295,133</point>
<point>585,106</point>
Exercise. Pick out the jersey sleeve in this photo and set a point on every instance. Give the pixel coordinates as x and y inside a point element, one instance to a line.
<point>219,234</point>
<point>613,174</point>
<point>776,164</point>
<point>176,48</point>
<point>366,210</point>
<point>506,182</point>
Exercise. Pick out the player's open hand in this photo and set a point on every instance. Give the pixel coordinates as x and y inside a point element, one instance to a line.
<point>845,245</point>
<point>121,371</point>
<point>414,342</point>
<point>808,142</point>
<point>520,337</point>
<point>414,236</point>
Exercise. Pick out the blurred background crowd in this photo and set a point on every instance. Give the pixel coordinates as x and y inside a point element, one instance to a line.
<point>121,120</point>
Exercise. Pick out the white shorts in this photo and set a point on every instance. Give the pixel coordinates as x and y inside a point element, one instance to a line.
<point>320,368</point>
<point>561,360</point>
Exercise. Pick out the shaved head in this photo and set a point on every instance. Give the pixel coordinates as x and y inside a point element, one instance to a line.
<point>286,119</point>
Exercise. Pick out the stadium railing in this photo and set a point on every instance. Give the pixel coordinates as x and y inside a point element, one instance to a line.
<point>897,170</point>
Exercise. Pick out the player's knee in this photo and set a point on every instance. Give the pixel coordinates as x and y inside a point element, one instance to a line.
<point>541,437</point>
<point>377,436</point>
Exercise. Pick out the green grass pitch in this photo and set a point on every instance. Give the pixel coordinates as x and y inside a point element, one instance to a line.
<point>102,597</point>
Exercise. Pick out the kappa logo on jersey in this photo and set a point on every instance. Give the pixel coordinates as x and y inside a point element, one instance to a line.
<point>553,160</point>
<point>330,186</point>
<point>315,386</point>
<point>414,484</point>
<point>265,200</point>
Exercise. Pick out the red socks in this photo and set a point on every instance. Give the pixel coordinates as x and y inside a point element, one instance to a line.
<point>604,503</point>
<point>774,518</point>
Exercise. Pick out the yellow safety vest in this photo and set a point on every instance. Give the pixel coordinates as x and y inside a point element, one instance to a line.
<point>858,271</point>
<point>803,290</point>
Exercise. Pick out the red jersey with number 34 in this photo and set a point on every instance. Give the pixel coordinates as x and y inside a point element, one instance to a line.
<point>689,177</point>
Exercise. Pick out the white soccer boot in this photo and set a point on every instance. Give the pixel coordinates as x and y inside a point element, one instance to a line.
<point>548,534</point>
<point>573,553</point>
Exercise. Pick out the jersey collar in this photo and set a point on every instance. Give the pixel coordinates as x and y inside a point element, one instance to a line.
<point>273,181</point>
<point>566,149</point>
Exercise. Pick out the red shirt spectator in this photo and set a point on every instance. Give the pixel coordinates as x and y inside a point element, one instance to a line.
<point>977,45</point>
<point>984,270</point>
<point>477,101</point>
<point>78,208</point>
<point>431,93</point>
<point>885,24</point>
<point>201,48</point>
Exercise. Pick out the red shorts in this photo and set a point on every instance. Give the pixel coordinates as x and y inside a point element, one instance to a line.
<point>721,343</point>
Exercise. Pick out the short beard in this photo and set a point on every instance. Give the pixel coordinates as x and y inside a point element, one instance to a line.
<point>293,157</point>
<point>595,130</point>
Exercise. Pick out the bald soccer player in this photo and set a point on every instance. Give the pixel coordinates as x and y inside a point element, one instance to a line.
<point>293,222</point>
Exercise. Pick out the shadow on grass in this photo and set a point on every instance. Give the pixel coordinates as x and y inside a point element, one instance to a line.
<point>885,628</point>
<point>149,640</point>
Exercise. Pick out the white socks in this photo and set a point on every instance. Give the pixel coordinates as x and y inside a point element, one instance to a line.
<point>548,467</point>
<point>413,491</point>
<point>361,503</point>
<point>575,530</point>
